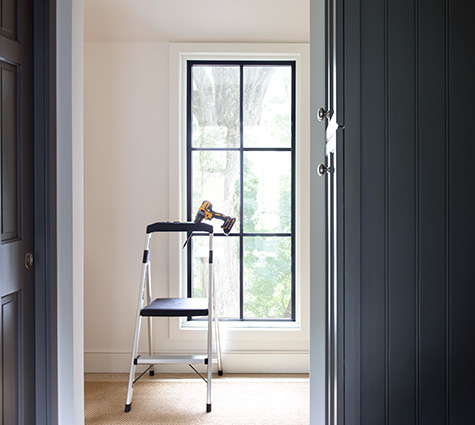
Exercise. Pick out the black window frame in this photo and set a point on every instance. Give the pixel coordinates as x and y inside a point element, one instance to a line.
<point>241,234</point>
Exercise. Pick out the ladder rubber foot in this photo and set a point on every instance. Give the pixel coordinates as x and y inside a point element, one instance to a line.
<point>128,407</point>
<point>152,373</point>
<point>208,407</point>
<point>220,373</point>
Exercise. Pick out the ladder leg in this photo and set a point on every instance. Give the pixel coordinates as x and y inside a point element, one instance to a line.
<point>218,341</point>
<point>216,321</point>
<point>130,389</point>
<point>138,321</point>
<point>151,372</point>
<point>210,363</point>
<point>150,329</point>
<point>210,322</point>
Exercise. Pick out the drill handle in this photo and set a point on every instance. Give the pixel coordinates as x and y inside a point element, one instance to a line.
<point>228,225</point>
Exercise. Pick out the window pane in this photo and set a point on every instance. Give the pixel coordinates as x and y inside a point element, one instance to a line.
<point>216,179</point>
<point>267,277</point>
<point>267,106</point>
<point>215,106</point>
<point>267,192</point>
<point>226,272</point>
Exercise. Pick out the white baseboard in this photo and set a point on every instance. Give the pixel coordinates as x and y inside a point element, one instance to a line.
<point>233,362</point>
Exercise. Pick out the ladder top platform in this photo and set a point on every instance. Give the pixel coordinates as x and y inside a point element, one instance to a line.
<point>179,226</point>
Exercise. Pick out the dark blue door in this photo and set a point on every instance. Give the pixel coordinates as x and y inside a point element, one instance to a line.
<point>17,314</point>
<point>400,345</point>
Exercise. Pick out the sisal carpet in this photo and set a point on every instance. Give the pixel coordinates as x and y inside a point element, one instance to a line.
<point>236,400</point>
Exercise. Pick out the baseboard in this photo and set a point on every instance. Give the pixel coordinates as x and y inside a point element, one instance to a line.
<point>233,362</point>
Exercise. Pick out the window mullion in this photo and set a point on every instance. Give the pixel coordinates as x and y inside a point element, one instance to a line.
<point>189,180</point>
<point>241,193</point>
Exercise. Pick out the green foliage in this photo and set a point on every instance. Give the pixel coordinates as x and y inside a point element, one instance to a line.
<point>267,274</point>
<point>267,260</point>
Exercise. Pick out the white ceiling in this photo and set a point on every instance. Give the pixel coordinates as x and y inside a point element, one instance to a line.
<point>264,21</point>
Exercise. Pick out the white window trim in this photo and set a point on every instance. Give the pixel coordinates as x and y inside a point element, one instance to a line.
<point>237,335</point>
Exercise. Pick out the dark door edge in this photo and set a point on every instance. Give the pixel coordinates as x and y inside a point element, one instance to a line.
<point>44,15</point>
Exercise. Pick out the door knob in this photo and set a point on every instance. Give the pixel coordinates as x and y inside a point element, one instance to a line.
<point>29,260</point>
<point>322,169</point>
<point>322,114</point>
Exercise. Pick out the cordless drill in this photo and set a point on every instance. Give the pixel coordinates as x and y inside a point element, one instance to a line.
<point>205,212</point>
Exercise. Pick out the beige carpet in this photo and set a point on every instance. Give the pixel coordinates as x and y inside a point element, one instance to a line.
<point>236,400</point>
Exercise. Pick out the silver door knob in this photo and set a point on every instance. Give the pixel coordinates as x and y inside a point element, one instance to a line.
<point>29,260</point>
<point>322,169</point>
<point>322,114</point>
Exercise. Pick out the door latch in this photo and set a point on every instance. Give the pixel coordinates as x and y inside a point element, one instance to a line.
<point>322,169</point>
<point>322,114</point>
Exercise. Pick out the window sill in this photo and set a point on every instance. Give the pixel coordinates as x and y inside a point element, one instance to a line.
<point>264,325</point>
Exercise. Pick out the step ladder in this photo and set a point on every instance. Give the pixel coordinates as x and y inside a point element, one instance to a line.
<point>175,307</point>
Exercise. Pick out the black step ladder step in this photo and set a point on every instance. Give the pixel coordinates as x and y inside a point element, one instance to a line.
<point>176,307</point>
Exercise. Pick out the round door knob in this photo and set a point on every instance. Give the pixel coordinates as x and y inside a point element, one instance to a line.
<point>29,260</point>
<point>322,169</point>
<point>322,114</point>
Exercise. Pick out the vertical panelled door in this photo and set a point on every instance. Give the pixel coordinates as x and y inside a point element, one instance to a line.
<point>400,212</point>
<point>17,400</point>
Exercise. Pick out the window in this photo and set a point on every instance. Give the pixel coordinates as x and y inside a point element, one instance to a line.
<point>241,158</point>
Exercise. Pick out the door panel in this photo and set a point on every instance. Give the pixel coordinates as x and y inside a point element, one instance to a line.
<point>401,212</point>
<point>17,214</point>
<point>8,19</point>
<point>460,213</point>
<point>11,349</point>
<point>432,208</point>
<point>408,229</point>
<point>9,153</point>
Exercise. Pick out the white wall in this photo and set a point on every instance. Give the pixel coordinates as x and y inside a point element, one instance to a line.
<point>131,130</point>
<point>265,21</point>
<point>126,187</point>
